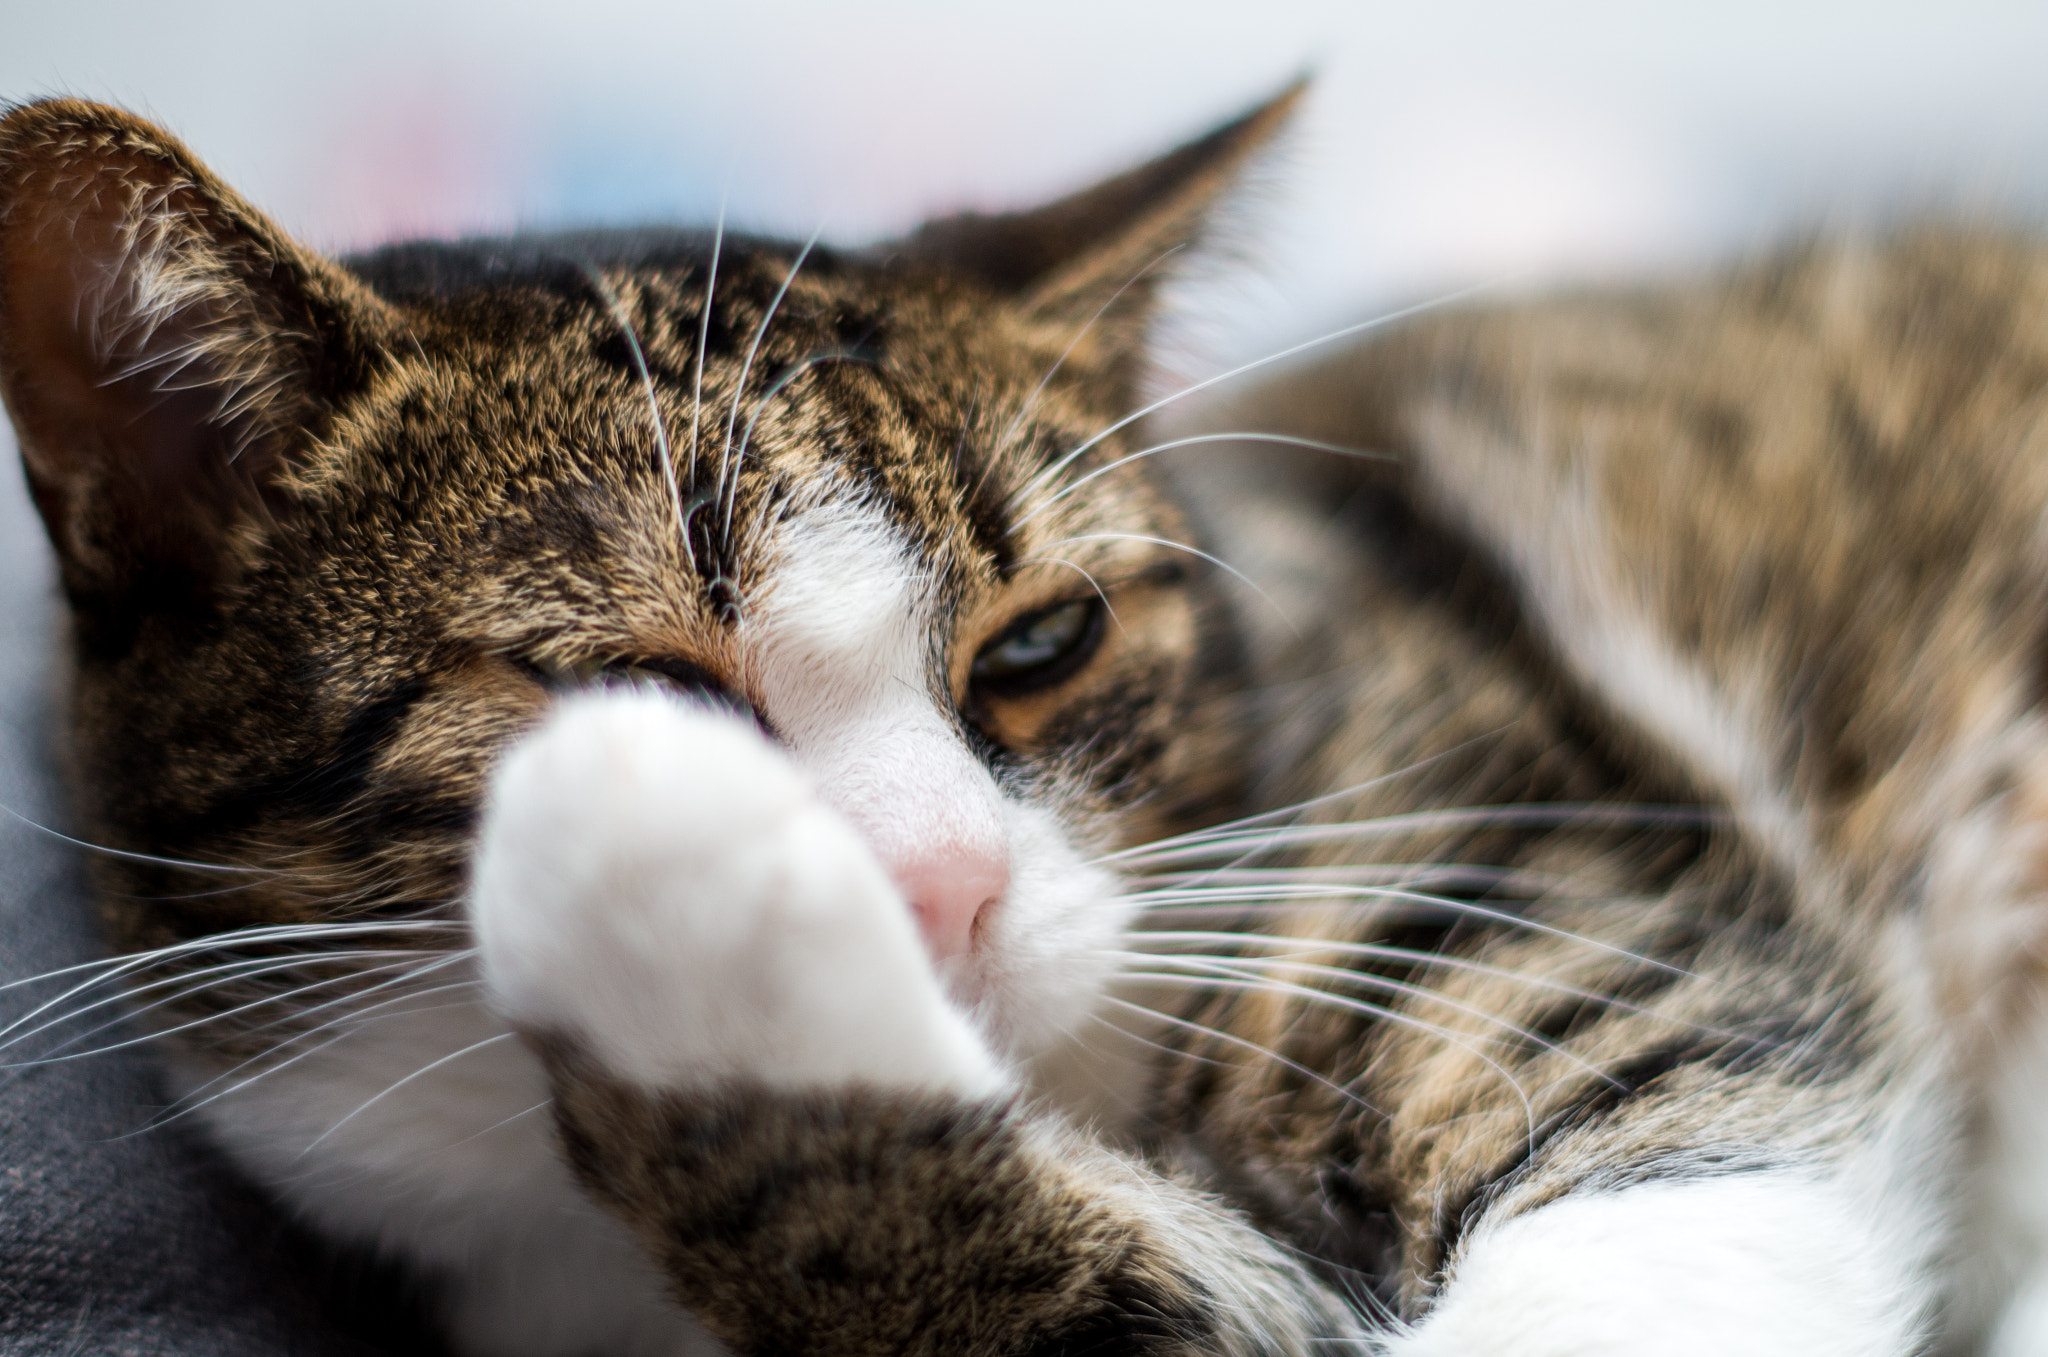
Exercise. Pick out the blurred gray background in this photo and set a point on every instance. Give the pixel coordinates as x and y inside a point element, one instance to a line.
<point>1446,143</point>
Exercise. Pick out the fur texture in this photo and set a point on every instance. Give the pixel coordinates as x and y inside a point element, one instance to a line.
<point>645,774</point>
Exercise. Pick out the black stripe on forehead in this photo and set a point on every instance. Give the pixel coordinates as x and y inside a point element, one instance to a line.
<point>560,262</point>
<point>984,503</point>
<point>914,457</point>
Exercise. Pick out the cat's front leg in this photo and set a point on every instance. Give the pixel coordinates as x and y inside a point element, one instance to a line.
<point>754,1066</point>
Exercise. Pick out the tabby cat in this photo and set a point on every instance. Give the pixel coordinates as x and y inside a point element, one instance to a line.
<point>706,793</point>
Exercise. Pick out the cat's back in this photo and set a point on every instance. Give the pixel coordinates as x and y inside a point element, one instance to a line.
<point>1836,364</point>
<point>1785,521</point>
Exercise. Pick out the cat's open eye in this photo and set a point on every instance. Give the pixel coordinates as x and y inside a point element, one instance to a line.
<point>1039,649</point>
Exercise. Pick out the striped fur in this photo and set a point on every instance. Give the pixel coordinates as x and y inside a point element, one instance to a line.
<point>1584,899</point>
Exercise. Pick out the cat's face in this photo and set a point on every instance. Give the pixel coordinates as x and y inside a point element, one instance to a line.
<point>335,538</point>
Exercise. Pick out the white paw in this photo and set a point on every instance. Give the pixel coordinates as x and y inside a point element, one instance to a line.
<point>658,880</point>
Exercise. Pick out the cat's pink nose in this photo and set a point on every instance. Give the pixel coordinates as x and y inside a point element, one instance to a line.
<point>947,890</point>
<point>934,820</point>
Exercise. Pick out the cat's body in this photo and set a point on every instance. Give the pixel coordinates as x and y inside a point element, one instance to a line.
<point>1766,543</point>
<point>1636,952</point>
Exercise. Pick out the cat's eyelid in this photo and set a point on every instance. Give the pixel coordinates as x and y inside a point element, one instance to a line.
<point>1093,589</point>
<point>1071,583</point>
<point>1069,655</point>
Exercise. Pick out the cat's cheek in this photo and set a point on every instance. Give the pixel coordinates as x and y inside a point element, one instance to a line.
<point>657,883</point>
<point>1049,953</point>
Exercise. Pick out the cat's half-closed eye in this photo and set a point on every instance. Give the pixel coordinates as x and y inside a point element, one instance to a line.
<point>1040,649</point>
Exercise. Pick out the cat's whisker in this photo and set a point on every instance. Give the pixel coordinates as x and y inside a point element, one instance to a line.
<point>207,978</point>
<point>730,475</point>
<point>1224,839</point>
<point>357,1015</point>
<point>1366,951</point>
<point>1291,812</point>
<point>170,897</point>
<point>1303,893</point>
<point>1381,1011</point>
<point>1421,912</point>
<point>109,969</point>
<point>1437,878</point>
<point>407,1005</point>
<point>1295,963</point>
<point>392,1088</point>
<point>184,1107</point>
<point>1354,890</point>
<point>1085,574</point>
<point>1356,1005</point>
<point>1358,915</point>
<point>348,1023</point>
<point>1196,440</point>
<point>272,933</point>
<point>620,318</point>
<point>1158,1046</point>
<point>342,1026</point>
<point>128,856</point>
<point>1404,873</point>
<point>541,1106</point>
<point>1362,327</point>
<point>1031,401</point>
<point>1244,969</point>
<point>62,1052</point>
<point>420,963</point>
<point>1315,895</point>
<point>703,343</point>
<point>1212,559</point>
<point>1228,1038</point>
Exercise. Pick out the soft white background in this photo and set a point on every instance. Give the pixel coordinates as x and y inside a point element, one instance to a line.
<point>1447,143</point>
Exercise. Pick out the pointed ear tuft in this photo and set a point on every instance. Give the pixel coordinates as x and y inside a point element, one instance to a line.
<point>163,347</point>
<point>1104,249</point>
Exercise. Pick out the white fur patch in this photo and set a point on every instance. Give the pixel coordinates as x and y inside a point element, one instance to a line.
<point>2010,1225</point>
<point>696,903</point>
<point>841,660</point>
<point>2023,1329</point>
<point>427,1136</point>
<point>1760,1265</point>
<point>840,657</point>
<point>659,880</point>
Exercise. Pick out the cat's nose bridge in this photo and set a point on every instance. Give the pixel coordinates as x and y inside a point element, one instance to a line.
<point>932,816</point>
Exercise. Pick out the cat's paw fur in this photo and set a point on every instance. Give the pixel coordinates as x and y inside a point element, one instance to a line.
<point>656,881</point>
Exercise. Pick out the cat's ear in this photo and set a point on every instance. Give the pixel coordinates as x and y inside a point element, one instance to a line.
<point>163,349</point>
<point>1100,254</point>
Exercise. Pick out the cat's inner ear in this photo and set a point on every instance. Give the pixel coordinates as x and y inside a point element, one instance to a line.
<point>162,347</point>
<point>1099,254</point>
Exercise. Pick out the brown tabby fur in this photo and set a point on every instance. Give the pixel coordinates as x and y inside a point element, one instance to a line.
<point>1823,478</point>
<point>422,480</point>
<point>478,487</point>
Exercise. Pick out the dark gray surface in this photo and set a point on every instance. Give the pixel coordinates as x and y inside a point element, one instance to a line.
<point>116,1238</point>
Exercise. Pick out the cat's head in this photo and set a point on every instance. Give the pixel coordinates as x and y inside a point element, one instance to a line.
<point>334,534</point>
